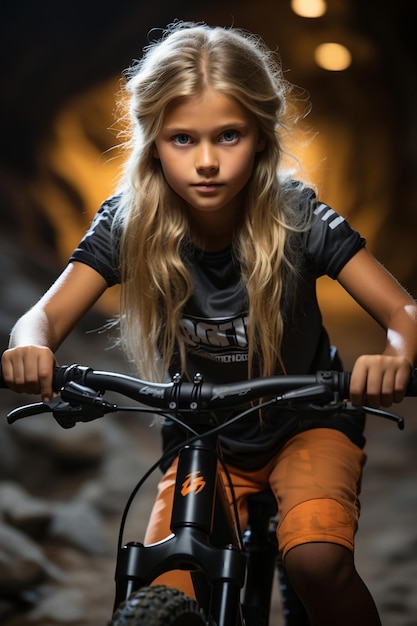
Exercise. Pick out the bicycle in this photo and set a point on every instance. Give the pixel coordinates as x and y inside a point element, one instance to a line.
<point>232,572</point>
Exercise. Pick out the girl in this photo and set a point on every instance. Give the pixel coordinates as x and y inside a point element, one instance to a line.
<point>217,255</point>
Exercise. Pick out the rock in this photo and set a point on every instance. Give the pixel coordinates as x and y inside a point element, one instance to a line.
<point>63,606</point>
<point>392,547</point>
<point>22,562</point>
<point>83,444</point>
<point>128,458</point>
<point>110,491</point>
<point>78,524</point>
<point>9,450</point>
<point>22,511</point>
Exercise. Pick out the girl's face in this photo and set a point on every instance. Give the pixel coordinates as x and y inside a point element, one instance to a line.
<point>207,147</point>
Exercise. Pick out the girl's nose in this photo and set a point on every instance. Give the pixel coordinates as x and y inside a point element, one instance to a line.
<point>206,157</point>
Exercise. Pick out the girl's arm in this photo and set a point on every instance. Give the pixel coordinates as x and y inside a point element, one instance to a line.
<point>382,379</point>
<point>28,363</point>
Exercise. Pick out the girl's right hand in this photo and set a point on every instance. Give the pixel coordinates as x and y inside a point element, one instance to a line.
<point>28,369</point>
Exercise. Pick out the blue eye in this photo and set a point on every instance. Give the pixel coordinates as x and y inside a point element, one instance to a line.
<point>229,136</point>
<point>182,139</point>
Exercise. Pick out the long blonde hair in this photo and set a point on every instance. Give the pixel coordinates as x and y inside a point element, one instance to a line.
<point>156,283</point>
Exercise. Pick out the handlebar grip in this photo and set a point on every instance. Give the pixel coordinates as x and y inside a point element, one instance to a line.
<point>58,377</point>
<point>2,383</point>
<point>412,385</point>
<point>410,392</point>
<point>58,380</point>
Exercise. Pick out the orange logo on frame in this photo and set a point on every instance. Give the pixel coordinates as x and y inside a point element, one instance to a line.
<point>193,483</point>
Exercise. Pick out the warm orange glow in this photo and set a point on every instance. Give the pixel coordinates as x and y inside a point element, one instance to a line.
<point>74,161</point>
<point>332,56</point>
<point>309,8</point>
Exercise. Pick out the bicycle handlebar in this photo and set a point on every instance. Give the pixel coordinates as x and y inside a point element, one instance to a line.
<point>82,389</point>
<point>198,395</point>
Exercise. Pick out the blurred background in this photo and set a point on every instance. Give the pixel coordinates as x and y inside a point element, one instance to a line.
<point>61,68</point>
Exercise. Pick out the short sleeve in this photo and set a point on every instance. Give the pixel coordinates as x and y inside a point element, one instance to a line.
<point>331,242</point>
<point>100,246</point>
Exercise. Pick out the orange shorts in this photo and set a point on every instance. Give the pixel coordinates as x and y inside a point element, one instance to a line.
<point>316,479</point>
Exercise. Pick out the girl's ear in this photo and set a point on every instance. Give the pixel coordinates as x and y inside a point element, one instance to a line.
<point>261,144</point>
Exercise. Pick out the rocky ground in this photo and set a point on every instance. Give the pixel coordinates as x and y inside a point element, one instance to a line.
<point>62,493</point>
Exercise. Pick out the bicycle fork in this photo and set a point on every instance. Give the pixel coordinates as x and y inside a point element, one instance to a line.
<point>204,541</point>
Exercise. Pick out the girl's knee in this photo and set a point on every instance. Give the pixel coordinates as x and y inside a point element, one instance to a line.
<point>315,566</point>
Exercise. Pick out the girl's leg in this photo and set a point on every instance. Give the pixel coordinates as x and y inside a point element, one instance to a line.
<point>325,578</point>
<point>316,480</point>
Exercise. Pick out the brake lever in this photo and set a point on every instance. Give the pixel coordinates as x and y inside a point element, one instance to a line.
<point>335,403</point>
<point>76,404</point>
<point>393,417</point>
<point>398,419</point>
<point>32,409</point>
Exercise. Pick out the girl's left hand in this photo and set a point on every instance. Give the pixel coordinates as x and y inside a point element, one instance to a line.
<point>379,380</point>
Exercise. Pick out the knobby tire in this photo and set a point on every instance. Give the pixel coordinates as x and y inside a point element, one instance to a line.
<point>158,605</point>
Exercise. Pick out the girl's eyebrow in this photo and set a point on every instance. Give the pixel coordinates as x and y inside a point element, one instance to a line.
<point>218,129</point>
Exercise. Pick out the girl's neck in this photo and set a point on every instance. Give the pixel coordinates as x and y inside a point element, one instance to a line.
<point>212,236</point>
<point>212,231</point>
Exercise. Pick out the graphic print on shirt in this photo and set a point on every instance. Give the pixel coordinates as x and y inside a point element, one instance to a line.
<point>220,339</point>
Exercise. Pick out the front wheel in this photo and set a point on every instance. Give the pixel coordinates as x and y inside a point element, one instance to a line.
<point>158,606</point>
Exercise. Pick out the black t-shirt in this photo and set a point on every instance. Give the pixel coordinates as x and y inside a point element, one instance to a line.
<point>214,322</point>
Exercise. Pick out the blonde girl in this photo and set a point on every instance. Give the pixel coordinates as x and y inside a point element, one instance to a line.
<point>217,252</point>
